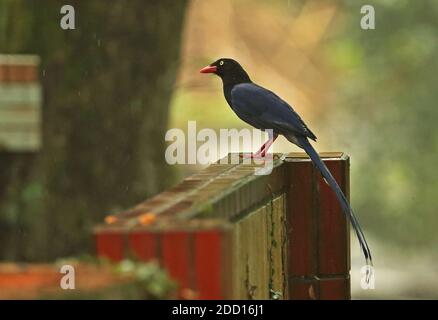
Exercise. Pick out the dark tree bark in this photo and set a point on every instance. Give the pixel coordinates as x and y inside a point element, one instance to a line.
<point>107,86</point>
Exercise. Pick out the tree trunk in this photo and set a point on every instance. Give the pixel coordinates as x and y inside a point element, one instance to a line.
<point>107,87</point>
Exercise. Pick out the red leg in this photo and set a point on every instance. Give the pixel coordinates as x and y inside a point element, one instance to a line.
<point>267,145</point>
<point>263,149</point>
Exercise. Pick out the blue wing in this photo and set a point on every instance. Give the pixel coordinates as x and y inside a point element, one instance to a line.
<point>263,109</point>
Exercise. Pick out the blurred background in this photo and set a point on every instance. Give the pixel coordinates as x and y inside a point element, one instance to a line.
<point>129,71</point>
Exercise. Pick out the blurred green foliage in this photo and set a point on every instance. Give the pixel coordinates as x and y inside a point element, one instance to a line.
<point>146,281</point>
<point>383,110</point>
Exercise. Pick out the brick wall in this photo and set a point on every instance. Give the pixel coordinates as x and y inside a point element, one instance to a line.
<point>225,233</point>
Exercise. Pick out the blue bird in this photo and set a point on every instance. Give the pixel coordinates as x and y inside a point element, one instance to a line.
<point>264,110</point>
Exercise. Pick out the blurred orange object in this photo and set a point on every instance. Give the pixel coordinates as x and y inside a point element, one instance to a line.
<point>147,218</point>
<point>110,219</point>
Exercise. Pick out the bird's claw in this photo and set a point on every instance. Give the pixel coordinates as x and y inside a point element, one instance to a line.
<point>251,155</point>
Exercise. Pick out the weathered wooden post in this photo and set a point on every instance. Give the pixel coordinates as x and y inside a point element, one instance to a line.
<point>227,233</point>
<point>20,104</point>
<point>20,124</point>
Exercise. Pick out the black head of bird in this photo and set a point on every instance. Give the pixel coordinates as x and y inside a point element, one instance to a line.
<point>229,70</point>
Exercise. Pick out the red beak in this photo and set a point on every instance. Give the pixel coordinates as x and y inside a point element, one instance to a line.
<point>208,69</point>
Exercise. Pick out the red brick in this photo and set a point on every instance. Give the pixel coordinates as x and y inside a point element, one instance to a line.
<point>300,219</point>
<point>334,289</point>
<point>22,73</point>
<point>177,257</point>
<point>3,73</point>
<point>208,264</point>
<point>143,245</point>
<point>110,245</point>
<point>332,226</point>
<point>303,289</point>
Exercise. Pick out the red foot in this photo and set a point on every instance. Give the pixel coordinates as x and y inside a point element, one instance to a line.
<point>251,155</point>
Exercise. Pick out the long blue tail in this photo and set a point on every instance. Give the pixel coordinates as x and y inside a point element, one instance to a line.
<point>305,144</point>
